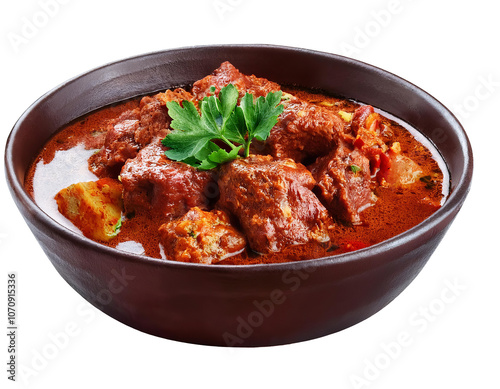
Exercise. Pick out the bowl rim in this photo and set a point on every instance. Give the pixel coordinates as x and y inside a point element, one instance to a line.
<point>448,210</point>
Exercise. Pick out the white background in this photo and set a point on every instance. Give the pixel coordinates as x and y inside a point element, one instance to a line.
<point>449,49</point>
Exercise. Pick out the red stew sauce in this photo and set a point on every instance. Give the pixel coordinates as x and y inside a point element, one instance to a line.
<point>396,205</point>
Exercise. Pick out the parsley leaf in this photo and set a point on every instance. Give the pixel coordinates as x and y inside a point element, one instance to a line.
<point>260,116</point>
<point>221,119</point>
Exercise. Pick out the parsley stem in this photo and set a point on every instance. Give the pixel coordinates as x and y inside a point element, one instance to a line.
<point>228,142</point>
<point>247,149</point>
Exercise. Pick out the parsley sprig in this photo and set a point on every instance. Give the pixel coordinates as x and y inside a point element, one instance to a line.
<point>223,120</point>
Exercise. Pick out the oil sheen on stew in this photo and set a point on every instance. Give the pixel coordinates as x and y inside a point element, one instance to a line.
<point>333,176</point>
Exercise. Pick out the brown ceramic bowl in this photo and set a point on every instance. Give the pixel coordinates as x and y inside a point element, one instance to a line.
<point>253,305</point>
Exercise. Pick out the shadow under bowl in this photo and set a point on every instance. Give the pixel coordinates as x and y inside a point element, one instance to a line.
<point>255,305</point>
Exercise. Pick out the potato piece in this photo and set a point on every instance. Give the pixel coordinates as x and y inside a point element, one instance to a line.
<point>398,170</point>
<point>94,207</point>
<point>403,172</point>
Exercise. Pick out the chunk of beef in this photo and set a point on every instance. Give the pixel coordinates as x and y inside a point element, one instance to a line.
<point>304,131</point>
<point>227,74</point>
<point>370,136</point>
<point>153,182</point>
<point>343,183</point>
<point>368,129</point>
<point>154,115</point>
<point>154,120</point>
<point>133,130</point>
<point>359,118</point>
<point>273,201</point>
<point>119,145</point>
<point>177,94</point>
<point>201,237</point>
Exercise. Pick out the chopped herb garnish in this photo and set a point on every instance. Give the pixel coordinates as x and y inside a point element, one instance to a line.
<point>221,119</point>
<point>355,169</point>
<point>117,226</point>
<point>333,247</point>
<point>428,181</point>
